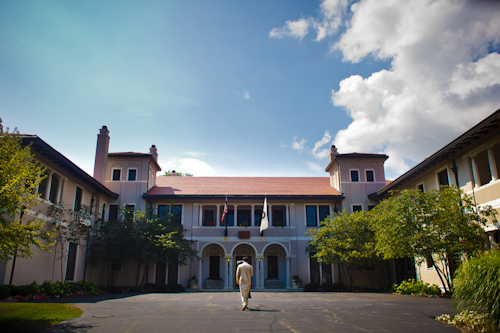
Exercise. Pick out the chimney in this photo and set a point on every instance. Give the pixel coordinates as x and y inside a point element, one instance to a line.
<point>333,153</point>
<point>173,174</point>
<point>101,155</point>
<point>154,152</point>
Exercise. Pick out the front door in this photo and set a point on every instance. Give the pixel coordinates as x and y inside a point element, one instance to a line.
<point>238,258</point>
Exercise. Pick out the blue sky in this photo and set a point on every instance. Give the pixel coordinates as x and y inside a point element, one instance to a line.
<point>249,88</point>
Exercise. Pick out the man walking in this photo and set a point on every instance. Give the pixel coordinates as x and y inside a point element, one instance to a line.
<point>244,275</point>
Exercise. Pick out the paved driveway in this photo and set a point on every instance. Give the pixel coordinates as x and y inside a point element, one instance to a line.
<point>269,312</point>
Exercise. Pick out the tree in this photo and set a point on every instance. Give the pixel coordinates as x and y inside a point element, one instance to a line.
<point>439,224</point>
<point>346,239</point>
<point>142,239</point>
<point>72,226</point>
<point>20,177</point>
<point>178,174</point>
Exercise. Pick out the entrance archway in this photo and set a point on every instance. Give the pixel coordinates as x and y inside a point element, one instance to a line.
<point>212,264</point>
<point>240,251</point>
<point>275,267</point>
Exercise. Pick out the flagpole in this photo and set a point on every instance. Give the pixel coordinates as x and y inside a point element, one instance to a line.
<point>225,232</point>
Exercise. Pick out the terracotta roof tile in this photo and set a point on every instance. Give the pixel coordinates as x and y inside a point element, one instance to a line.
<point>283,186</point>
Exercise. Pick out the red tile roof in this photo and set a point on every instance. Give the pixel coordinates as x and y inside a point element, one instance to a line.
<point>243,186</point>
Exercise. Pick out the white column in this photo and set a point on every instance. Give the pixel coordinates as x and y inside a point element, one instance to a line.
<point>200,273</point>
<point>477,180</point>
<point>257,271</point>
<point>49,183</point>
<point>217,223</point>
<point>60,190</point>
<point>252,216</point>
<point>262,272</point>
<point>200,218</point>
<point>231,273</point>
<point>235,215</point>
<point>228,275</point>
<point>493,166</point>
<point>287,221</point>
<point>288,277</point>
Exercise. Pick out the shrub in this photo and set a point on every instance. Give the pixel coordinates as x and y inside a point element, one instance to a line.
<point>469,320</point>
<point>477,287</point>
<point>176,288</point>
<point>414,287</point>
<point>339,286</point>
<point>327,286</point>
<point>4,291</point>
<point>311,286</point>
<point>23,290</point>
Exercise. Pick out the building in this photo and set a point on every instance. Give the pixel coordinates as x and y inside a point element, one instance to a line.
<point>470,162</point>
<point>354,181</point>
<point>294,205</point>
<point>70,186</point>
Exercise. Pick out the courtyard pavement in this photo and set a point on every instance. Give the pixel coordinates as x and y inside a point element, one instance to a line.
<point>269,312</point>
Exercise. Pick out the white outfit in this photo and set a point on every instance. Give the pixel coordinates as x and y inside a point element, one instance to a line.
<point>244,275</point>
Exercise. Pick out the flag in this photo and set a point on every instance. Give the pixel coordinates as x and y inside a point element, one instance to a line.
<point>225,212</point>
<point>264,222</point>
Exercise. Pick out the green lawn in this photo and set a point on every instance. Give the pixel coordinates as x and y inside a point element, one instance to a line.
<point>34,317</point>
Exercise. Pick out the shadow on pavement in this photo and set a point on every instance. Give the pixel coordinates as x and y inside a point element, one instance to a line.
<point>68,327</point>
<point>85,299</point>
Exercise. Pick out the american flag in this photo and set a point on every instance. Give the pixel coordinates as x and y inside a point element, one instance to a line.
<point>225,211</point>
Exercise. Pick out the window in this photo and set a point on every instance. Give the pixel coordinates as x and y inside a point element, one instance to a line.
<point>354,176</point>
<point>324,212</point>
<point>54,186</point>
<point>42,188</point>
<point>311,218</point>
<point>129,212</point>
<point>244,217</point>
<point>314,268</point>
<point>177,214</point>
<point>370,175</point>
<point>326,273</point>
<point>257,218</point>
<point>357,208</point>
<point>483,168</point>
<point>421,187</point>
<point>113,213</point>
<point>78,199</point>
<point>229,218</point>
<point>279,216</point>
<point>430,262</point>
<point>162,211</point>
<point>132,174</point>
<point>214,267</point>
<point>272,267</point>
<point>117,174</point>
<point>70,266</point>
<point>443,178</point>
<point>209,218</point>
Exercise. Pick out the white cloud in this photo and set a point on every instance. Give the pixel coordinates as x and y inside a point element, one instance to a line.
<point>315,167</point>
<point>444,75</point>
<point>322,153</point>
<point>331,18</point>
<point>187,165</point>
<point>300,145</point>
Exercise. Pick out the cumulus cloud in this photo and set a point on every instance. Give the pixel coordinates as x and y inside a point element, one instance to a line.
<point>298,145</point>
<point>190,165</point>
<point>444,75</point>
<point>326,25</point>
<point>317,151</point>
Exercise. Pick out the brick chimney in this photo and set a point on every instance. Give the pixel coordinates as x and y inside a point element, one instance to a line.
<point>333,153</point>
<point>154,152</point>
<point>101,155</point>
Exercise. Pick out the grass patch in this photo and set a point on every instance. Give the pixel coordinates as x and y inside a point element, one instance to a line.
<point>34,317</point>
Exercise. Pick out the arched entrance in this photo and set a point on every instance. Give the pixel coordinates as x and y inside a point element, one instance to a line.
<point>240,251</point>
<point>275,267</point>
<point>212,266</point>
